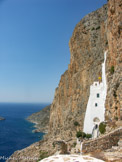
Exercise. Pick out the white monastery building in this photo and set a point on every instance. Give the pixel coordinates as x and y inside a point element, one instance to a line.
<point>95,110</point>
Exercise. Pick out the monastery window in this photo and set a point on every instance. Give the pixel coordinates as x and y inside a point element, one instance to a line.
<point>98,95</point>
<point>96,104</point>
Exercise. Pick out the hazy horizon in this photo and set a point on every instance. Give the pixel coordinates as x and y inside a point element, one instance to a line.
<point>47,103</point>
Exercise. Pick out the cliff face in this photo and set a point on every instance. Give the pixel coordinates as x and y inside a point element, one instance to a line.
<point>114,61</point>
<point>95,33</point>
<point>87,46</point>
<point>41,119</point>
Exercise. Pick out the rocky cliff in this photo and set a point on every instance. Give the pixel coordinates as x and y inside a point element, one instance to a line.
<point>114,61</point>
<point>87,46</point>
<point>93,35</point>
<point>41,119</point>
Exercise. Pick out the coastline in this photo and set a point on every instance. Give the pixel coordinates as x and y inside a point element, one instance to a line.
<point>2,118</point>
<point>40,120</point>
<point>15,131</point>
<point>37,128</point>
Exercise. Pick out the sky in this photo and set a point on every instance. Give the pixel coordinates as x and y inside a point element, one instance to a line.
<point>34,50</point>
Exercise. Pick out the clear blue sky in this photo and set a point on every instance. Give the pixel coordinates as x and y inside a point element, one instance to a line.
<point>34,51</point>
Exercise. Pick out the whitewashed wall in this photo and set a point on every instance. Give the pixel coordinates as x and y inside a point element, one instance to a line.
<point>98,111</point>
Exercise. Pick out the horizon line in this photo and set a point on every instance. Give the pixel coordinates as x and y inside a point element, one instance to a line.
<point>25,102</point>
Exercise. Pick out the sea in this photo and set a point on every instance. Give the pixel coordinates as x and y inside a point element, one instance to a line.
<point>16,132</point>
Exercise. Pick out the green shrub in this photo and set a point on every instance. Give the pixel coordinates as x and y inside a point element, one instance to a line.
<point>117,85</point>
<point>70,118</point>
<point>112,70</point>
<point>97,27</point>
<point>114,94</point>
<point>74,144</point>
<point>88,136</point>
<point>53,145</point>
<point>116,118</point>
<point>102,128</point>
<point>80,134</point>
<point>106,42</point>
<point>76,123</point>
<point>93,28</point>
<point>43,155</point>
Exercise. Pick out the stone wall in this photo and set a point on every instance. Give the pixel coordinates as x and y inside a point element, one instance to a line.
<point>103,143</point>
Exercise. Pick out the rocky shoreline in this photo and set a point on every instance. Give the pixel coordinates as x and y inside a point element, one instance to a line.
<point>41,120</point>
<point>1,118</point>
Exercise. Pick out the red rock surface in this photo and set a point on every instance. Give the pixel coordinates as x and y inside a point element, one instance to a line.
<point>114,60</point>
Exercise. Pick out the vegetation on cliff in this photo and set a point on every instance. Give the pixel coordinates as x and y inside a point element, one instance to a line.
<point>102,128</point>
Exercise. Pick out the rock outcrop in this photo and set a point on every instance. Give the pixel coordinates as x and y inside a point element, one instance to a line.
<point>1,118</point>
<point>41,119</point>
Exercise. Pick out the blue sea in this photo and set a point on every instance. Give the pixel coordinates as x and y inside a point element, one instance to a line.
<point>16,132</point>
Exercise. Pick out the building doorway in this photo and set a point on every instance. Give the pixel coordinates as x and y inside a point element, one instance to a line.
<point>95,131</point>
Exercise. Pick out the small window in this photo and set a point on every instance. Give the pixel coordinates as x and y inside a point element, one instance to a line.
<point>96,104</point>
<point>98,95</point>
